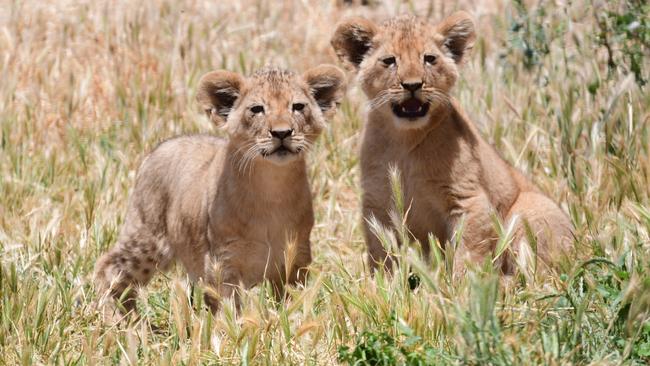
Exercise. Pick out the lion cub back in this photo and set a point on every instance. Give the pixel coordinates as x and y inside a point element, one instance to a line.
<point>179,169</point>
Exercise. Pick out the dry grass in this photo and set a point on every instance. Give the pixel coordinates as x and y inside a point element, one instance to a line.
<point>87,88</point>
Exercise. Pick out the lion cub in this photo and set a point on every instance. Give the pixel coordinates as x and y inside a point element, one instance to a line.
<point>407,68</point>
<point>236,211</point>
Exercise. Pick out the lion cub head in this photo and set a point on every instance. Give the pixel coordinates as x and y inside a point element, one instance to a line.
<point>275,115</point>
<point>406,66</point>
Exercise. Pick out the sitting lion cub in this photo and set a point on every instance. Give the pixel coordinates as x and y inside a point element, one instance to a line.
<point>236,211</point>
<point>407,68</point>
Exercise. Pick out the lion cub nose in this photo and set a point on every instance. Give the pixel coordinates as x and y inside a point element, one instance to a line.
<point>281,134</point>
<point>412,86</point>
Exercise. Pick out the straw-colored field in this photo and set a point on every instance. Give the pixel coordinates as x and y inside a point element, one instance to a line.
<point>88,88</point>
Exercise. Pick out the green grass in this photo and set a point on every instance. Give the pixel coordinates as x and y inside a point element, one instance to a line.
<point>87,90</point>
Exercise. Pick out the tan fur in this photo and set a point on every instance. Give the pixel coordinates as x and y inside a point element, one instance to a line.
<point>448,170</point>
<point>231,213</point>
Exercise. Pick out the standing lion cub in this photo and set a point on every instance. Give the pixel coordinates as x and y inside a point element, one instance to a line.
<point>236,211</point>
<point>407,68</point>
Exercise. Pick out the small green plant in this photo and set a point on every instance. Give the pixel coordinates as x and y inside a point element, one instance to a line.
<point>371,349</point>
<point>641,349</point>
<point>393,344</point>
<point>625,34</point>
<point>529,34</point>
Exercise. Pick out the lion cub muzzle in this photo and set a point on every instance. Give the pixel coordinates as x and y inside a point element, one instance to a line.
<point>283,149</point>
<point>412,107</point>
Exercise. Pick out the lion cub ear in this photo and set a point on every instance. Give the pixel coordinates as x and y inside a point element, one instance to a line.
<point>218,91</point>
<point>458,32</point>
<point>327,85</point>
<point>353,39</point>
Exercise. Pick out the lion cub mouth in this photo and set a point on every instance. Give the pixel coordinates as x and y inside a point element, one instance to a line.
<point>281,150</point>
<point>411,108</point>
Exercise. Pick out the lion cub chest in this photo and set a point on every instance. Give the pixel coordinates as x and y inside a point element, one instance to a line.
<point>433,178</point>
<point>426,202</point>
<point>257,243</point>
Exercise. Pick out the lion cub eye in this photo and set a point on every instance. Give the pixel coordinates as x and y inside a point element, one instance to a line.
<point>298,107</point>
<point>257,109</point>
<point>388,61</point>
<point>430,59</point>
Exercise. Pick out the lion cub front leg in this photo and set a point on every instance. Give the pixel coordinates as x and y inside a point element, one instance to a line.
<point>377,254</point>
<point>299,266</point>
<point>223,285</point>
<point>295,271</point>
<point>478,239</point>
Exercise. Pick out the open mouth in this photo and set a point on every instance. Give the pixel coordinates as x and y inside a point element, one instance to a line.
<point>411,108</point>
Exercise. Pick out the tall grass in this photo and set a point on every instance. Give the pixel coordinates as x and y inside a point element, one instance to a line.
<point>87,88</point>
